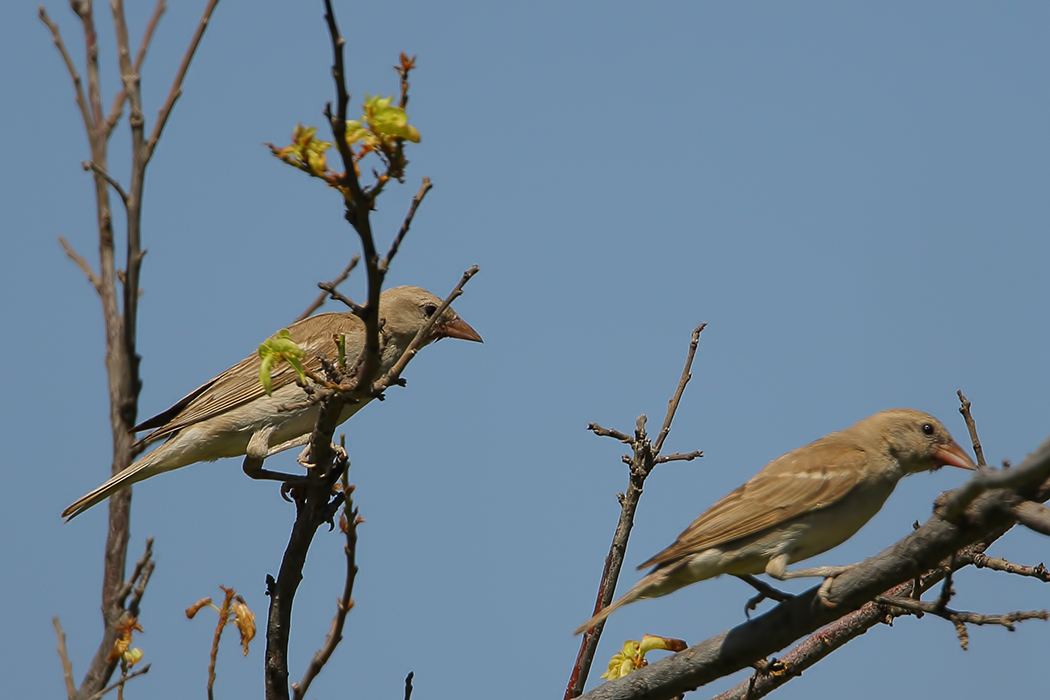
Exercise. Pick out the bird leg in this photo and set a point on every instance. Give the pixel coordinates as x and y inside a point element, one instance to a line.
<point>764,591</point>
<point>289,444</point>
<point>777,568</point>
<point>257,452</point>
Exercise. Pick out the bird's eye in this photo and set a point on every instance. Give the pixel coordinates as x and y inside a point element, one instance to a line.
<point>927,428</point>
<point>429,310</point>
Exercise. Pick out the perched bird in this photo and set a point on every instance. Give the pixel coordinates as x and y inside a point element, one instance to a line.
<point>801,504</point>
<point>232,415</point>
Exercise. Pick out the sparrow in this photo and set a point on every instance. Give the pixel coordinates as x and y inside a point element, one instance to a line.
<point>232,415</point>
<point>800,505</point>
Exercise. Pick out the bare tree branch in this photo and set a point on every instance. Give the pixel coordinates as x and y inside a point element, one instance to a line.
<point>63,655</point>
<point>329,288</point>
<point>384,264</point>
<point>971,427</point>
<point>176,85</point>
<point>147,36</point>
<point>120,683</point>
<point>119,308</point>
<point>1034,516</point>
<point>1039,571</point>
<point>348,524</point>
<point>645,456</point>
<point>81,263</point>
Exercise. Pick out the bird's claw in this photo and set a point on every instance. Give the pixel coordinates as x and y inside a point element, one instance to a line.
<point>825,590</point>
<point>765,591</point>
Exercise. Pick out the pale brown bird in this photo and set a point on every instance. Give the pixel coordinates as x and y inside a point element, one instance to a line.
<point>232,415</point>
<point>801,504</point>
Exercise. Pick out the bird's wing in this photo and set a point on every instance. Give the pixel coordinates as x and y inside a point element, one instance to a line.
<point>799,482</point>
<point>240,384</point>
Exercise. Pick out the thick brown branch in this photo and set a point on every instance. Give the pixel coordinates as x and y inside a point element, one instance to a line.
<point>847,628</point>
<point>1034,516</point>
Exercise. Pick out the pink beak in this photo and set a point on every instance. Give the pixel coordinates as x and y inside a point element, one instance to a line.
<point>953,456</point>
<point>458,329</point>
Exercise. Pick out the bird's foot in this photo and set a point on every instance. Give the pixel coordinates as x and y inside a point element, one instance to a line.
<point>764,591</point>
<point>824,592</point>
<point>339,457</point>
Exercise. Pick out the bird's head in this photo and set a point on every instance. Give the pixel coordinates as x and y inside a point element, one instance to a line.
<point>918,440</point>
<point>407,309</point>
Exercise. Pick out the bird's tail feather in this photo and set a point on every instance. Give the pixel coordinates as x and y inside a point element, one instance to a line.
<point>136,472</point>
<point>638,591</point>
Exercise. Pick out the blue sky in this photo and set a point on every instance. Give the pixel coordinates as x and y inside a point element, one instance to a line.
<point>852,197</point>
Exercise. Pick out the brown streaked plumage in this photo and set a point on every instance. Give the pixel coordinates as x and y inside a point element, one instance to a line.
<point>799,505</point>
<point>232,415</point>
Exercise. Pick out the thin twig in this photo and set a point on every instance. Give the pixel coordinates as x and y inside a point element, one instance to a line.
<point>680,457</point>
<point>224,615</point>
<point>101,172</point>
<point>960,618</point>
<point>328,288</point>
<point>1039,571</point>
<point>78,85</point>
<point>63,656</point>
<point>384,264</point>
<point>610,432</point>
<point>334,293</point>
<point>176,85</point>
<point>408,685</point>
<point>136,583</point>
<point>964,409</point>
<point>672,405</point>
<point>338,122</point>
<point>81,263</point>
<point>644,458</point>
<point>120,683</point>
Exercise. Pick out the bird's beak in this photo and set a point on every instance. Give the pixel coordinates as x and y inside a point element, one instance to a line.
<point>458,329</point>
<point>953,455</point>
